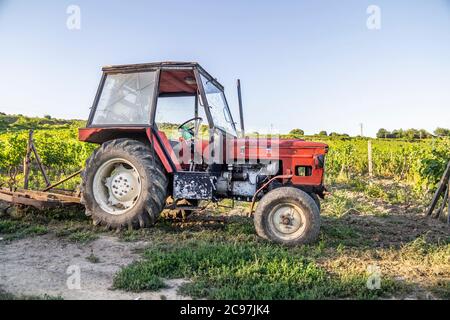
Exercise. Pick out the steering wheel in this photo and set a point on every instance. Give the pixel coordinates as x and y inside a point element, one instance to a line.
<point>189,132</point>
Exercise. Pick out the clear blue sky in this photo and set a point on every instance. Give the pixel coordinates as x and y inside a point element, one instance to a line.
<point>310,64</point>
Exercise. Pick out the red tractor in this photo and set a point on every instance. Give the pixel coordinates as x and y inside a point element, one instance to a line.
<point>168,140</point>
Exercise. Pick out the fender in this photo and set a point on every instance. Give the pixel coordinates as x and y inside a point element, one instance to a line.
<point>164,150</point>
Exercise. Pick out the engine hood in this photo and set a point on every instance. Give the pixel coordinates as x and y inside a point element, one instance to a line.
<point>281,143</point>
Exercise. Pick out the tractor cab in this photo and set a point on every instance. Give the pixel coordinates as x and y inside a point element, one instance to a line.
<point>181,102</point>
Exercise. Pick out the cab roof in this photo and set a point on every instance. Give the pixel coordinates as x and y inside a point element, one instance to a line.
<point>150,65</point>
<point>165,65</point>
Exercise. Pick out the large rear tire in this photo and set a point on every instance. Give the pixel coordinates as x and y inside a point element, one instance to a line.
<point>123,186</point>
<point>287,216</point>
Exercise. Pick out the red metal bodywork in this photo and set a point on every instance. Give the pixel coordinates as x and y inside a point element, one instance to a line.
<point>292,153</point>
<point>162,145</point>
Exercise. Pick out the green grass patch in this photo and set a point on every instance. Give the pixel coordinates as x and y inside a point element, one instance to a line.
<point>337,232</point>
<point>430,253</point>
<point>12,229</point>
<point>6,296</point>
<point>240,226</point>
<point>341,203</point>
<point>82,237</point>
<point>240,271</point>
<point>92,258</point>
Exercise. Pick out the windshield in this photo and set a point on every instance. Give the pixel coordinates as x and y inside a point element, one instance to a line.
<point>218,107</point>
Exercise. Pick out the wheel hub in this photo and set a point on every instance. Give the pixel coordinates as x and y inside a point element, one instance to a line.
<point>287,219</point>
<point>117,186</point>
<point>122,186</point>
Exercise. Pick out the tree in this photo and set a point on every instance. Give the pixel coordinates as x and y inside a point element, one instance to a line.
<point>383,134</point>
<point>323,133</point>
<point>442,132</point>
<point>411,134</point>
<point>424,134</point>
<point>297,132</point>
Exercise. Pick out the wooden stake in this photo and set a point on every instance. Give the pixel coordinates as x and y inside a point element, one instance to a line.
<point>41,167</point>
<point>442,185</point>
<point>448,205</point>
<point>27,161</point>
<point>444,203</point>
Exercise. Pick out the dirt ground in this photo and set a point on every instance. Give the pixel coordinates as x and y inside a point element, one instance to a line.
<point>38,267</point>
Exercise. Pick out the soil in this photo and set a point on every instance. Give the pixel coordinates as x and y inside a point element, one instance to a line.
<point>38,266</point>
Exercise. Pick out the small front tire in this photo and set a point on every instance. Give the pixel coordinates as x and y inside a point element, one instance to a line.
<point>316,199</point>
<point>288,216</point>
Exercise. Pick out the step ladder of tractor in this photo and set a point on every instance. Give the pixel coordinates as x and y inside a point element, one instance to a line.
<point>442,192</point>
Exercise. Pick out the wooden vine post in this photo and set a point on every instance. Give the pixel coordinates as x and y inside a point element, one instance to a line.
<point>27,163</point>
<point>448,205</point>
<point>443,190</point>
<point>41,167</point>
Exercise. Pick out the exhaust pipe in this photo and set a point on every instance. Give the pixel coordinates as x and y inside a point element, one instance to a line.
<point>241,109</point>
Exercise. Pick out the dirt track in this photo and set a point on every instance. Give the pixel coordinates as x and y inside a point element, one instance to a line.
<point>38,266</point>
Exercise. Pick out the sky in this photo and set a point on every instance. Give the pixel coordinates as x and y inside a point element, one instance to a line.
<point>309,64</point>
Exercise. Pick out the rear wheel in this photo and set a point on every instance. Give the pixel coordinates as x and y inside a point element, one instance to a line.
<point>123,185</point>
<point>287,216</point>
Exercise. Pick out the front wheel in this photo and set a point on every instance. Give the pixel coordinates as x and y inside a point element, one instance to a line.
<point>287,216</point>
<point>316,199</point>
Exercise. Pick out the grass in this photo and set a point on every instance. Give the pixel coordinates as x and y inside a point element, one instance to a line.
<point>13,230</point>
<point>420,266</point>
<point>6,296</point>
<point>226,270</point>
<point>338,232</point>
<point>69,223</point>
<point>82,237</point>
<point>92,258</point>
<point>359,230</point>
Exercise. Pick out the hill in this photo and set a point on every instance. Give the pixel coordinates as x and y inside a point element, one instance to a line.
<point>11,123</point>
